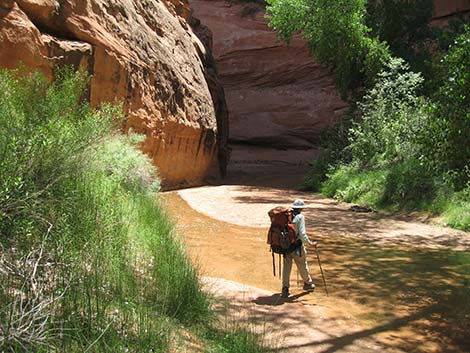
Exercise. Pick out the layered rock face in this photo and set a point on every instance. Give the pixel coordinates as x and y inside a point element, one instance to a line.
<point>142,53</point>
<point>276,95</point>
<point>445,10</point>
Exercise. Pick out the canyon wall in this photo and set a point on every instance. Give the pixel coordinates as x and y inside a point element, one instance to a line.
<point>445,10</point>
<point>142,53</point>
<point>277,95</point>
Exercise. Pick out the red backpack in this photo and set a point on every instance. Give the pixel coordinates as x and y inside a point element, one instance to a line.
<point>282,237</point>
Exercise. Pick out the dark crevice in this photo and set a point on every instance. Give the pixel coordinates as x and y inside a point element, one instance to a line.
<point>56,28</point>
<point>269,143</point>
<point>5,7</point>
<point>217,93</point>
<point>54,32</point>
<point>462,13</point>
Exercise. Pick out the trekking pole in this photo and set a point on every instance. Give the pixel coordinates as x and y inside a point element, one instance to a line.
<point>321,269</point>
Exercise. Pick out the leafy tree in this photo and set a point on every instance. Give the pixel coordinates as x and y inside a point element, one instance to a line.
<point>451,129</point>
<point>393,118</point>
<point>403,24</point>
<point>336,33</point>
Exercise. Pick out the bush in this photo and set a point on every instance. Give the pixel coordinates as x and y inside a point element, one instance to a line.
<point>317,173</point>
<point>401,186</point>
<point>404,150</point>
<point>89,261</point>
<point>451,125</point>
<point>393,119</point>
<point>347,184</point>
<point>457,212</point>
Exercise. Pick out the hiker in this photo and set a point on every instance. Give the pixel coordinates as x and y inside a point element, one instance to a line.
<point>299,255</point>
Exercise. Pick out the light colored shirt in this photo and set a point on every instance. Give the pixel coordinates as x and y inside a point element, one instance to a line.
<point>299,222</point>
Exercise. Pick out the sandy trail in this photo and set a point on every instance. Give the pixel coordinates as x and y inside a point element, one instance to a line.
<point>396,284</point>
<point>248,205</point>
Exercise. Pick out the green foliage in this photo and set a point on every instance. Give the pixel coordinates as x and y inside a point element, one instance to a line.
<point>235,339</point>
<point>43,130</point>
<point>336,33</point>
<point>346,184</point>
<point>317,173</point>
<point>393,118</point>
<point>405,185</point>
<point>446,36</point>
<point>92,263</point>
<point>89,260</point>
<point>451,128</point>
<point>457,210</point>
<point>403,24</point>
<point>407,151</point>
<point>402,186</point>
<point>126,166</point>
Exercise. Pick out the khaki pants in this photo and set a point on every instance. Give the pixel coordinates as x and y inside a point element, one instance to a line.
<point>301,263</point>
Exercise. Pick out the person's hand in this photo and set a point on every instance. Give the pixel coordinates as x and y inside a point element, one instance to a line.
<point>314,243</point>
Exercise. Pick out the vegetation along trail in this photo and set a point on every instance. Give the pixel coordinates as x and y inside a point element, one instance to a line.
<point>396,284</point>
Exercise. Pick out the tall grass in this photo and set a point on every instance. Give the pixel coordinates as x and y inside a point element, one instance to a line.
<point>402,186</point>
<point>234,339</point>
<point>89,261</point>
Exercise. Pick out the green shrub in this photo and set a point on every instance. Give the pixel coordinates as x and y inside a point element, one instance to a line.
<point>403,185</point>
<point>404,150</point>
<point>393,118</point>
<point>451,124</point>
<point>457,212</point>
<point>317,173</point>
<point>92,262</point>
<point>89,260</point>
<point>348,184</point>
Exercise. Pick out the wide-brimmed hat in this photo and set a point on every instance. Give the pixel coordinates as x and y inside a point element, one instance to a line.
<point>298,204</point>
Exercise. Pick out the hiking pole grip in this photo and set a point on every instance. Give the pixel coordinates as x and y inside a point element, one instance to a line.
<point>321,270</point>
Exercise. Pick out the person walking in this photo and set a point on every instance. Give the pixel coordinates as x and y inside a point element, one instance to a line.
<point>299,255</point>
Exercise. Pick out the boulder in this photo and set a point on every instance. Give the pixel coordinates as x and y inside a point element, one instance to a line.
<point>142,53</point>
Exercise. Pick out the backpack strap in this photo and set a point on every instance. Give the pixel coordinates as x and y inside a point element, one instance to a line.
<point>293,215</point>
<point>274,264</point>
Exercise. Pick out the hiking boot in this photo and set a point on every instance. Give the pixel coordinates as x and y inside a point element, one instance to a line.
<point>285,292</point>
<point>309,286</point>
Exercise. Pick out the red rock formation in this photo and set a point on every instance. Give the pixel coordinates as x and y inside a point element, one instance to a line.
<point>276,95</point>
<point>449,8</point>
<point>444,10</point>
<point>140,52</point>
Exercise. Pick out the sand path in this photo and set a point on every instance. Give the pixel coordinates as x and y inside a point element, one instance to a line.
<point>396,283</point>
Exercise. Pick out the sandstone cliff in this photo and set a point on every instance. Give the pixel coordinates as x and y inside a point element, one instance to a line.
<point>276,95</point>
<point>445,10</point>
<point>140,52</point>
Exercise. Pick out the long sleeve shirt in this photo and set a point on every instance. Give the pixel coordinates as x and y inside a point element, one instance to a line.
<point>299,222</point>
